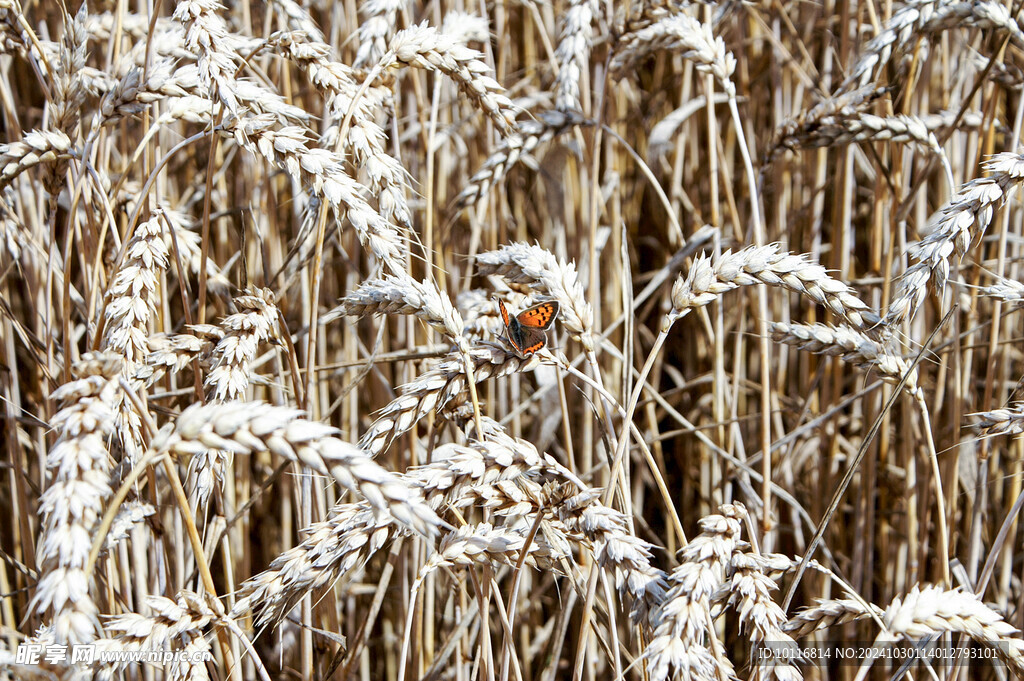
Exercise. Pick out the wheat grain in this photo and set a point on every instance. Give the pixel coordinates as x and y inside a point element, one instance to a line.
<point>130,515</point>
<point>1007,290</point>
<point>129,313</point>
<point>476,543</point>
<point>457,476</point>
<point>172,353</point>
<point>859,126</point>
<point>299,19</point>
<point>207,36</point>
<point>289,149</point>
<point>750,593</point>
<point>172,625</point>
<point>256,322</point>
<point>132,93</point>
<point>377,25</point>
<point>437,389</point>
<point>349,536</point>
<point>35,147</point>
<point>615,548</point>
<point>133,294</point>
<point>68,94</point>
<point>388,180</point>
<point>1008,421</point>
<point>403,295</point>
<point>465,27</point>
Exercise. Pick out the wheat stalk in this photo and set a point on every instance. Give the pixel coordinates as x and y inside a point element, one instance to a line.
<point>184,243</point>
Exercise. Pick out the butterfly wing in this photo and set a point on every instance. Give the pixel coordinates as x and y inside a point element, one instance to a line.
<point>513,328</point>
<point>539,316</point>
<point>532,340</point>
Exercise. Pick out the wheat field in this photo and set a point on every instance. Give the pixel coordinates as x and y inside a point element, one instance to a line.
<point>264,416</point>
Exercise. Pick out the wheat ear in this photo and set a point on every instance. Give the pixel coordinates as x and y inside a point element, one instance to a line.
<point>929,610</point>
<point>250,427</point>
<point>853,346</point>
<point>960,222</point>
<point>1008,421</point>
<point>827,614</point>
<point>73,501</point>
<point>682,643</point>
<point>762,618</point>
<point>529,135</point>
<point>424,47</point>
<point>920,19</point>
<point>573,53</point>
<point>771,266</point>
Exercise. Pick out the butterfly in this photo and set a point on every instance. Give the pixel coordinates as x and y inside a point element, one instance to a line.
<point>526,329</point>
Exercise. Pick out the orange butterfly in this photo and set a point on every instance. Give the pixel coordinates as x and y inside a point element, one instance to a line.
<point>526,329</point>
